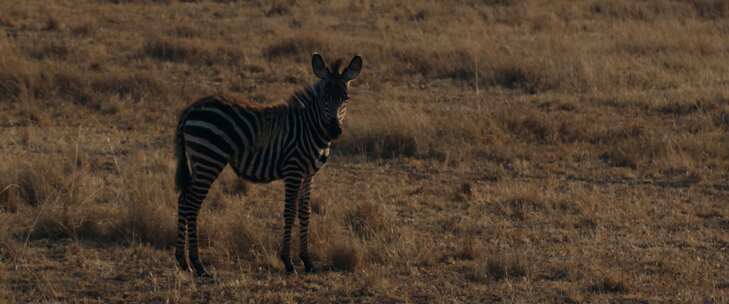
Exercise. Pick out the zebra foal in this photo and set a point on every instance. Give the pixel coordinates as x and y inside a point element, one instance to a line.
<point>289,141</point>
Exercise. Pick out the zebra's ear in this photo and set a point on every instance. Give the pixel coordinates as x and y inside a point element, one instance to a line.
<point>353,69</point>
<point>320,68</point>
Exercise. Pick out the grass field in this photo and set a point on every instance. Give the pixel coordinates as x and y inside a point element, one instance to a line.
<point>510,151</point>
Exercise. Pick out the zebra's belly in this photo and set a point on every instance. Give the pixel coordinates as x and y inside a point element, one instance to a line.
<point>258,179</point>
<point>266,176</point>
<point>254,167</point>
<point>257,169</point>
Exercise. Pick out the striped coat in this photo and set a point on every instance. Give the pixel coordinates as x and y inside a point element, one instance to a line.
<point>289,141</point>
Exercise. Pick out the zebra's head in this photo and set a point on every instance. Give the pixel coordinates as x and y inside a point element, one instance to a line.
<point>332,91</point>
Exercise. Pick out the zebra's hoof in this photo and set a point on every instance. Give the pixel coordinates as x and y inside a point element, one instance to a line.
<point>183,266</point>
<point>308,266</point>
<point>290,269</point>
<point>200,271</point>
<point>205,278</point>
<point>288,266</point>
<point>310,269</point>
<point>203,275</point>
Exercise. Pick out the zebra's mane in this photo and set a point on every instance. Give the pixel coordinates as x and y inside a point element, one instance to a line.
<point>335,68</point>
<point>303,98</point>
<point>238,101</point>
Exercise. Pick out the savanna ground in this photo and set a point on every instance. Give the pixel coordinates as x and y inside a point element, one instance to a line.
<point>495,150</point>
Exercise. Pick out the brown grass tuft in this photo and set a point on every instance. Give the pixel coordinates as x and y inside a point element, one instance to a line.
<point>299,47</point>
<point>392,133</point>
<point>609,284</point>
<point>147,206</point>
<point>527,124</point>
<point>9,248</point>
<point>681,108</point>
<point>135,86</point>
<point>386,145</point>
<point>95,90</point>
<point>49,228</point>
<point>521,205</point>
<point>345,256</point>
<point>53,24</point>
<point>468,249</point>
<point>84,28</point>
<point>10,198</point>
<point>39,182</point>
<point>501,268</point>
<point>497,268</point>
<point>474,66</point>
<point>139,1</point>
<point>721,118</point>
<point>618,158</point>
<point>278,9</point>
<point>231,184</point>
<point>712,9</point>
<point>500,2</point>
<point>186,31</point>
<point>145,223</point>
<point>191,51</point>
<point>569,297</point>
<point>530,79</point>
<point>239,237</point>
<point>54,49</point>
<point>454,63</point>
<point>58,193</point>
<point>17,76</point>
<point>79,222</point>
<point>366,220</point>
<point>622,10</point>
<point>464,193</point>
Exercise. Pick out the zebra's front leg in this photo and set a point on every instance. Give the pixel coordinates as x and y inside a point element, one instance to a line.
<point>293,186</point>
<point>304,212</point>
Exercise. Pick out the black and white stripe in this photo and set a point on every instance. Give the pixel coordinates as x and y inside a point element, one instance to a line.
<point>289,141</point>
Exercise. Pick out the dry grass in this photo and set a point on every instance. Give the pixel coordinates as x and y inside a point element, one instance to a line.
<point>191,51</point>
<point>240,237</point>
<point>8,244</point>
<point>609,284</point>
<point>494,151</point>
<point>366,220</point>
<point>294,47</point>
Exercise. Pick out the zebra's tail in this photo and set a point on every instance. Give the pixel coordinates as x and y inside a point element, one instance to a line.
<point>182,173</point>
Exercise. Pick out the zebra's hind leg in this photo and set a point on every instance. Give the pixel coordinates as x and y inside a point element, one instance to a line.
<point>180,254</point>
<point>203,177</point>
<point>293,186</point>
<point>194,254</point>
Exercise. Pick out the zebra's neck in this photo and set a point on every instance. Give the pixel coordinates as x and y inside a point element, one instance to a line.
<point>322,133</point>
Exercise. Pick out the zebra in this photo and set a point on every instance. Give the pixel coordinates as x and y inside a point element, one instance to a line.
<point>289,141</point>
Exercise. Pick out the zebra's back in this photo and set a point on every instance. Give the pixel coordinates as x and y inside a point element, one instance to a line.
<point>218,130</point>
